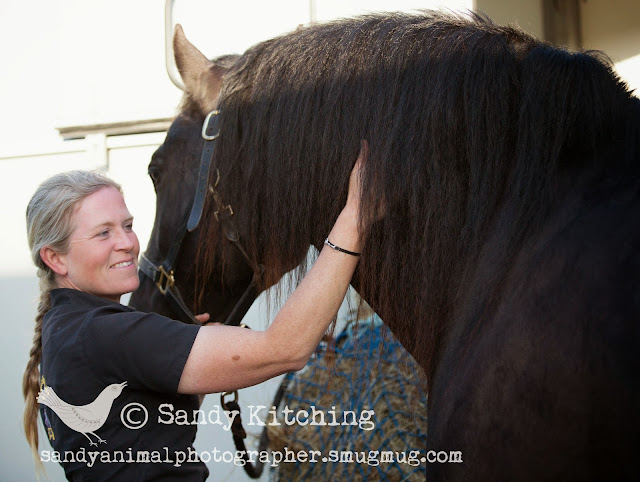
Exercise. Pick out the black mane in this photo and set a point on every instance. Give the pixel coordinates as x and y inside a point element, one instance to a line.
<point>474,129</point>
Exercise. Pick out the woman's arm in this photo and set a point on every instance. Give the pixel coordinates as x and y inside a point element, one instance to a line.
<point>225,358</point>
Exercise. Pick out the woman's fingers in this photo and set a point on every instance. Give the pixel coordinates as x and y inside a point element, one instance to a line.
<point>355,192</point>
<point>202,318</point>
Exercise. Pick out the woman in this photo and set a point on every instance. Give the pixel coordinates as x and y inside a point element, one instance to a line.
<point>97,357</point>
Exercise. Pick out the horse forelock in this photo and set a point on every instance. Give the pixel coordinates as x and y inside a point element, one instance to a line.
<point>462,116</point>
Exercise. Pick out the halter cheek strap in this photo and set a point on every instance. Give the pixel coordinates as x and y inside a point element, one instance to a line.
<point>210,132</point>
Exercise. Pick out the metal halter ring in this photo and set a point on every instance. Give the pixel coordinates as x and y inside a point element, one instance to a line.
<point>223,402</point>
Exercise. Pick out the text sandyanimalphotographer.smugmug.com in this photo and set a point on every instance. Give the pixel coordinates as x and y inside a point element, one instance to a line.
<point>272,458</point>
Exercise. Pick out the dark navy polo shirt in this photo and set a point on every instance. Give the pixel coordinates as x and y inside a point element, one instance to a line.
<point>88,344</point>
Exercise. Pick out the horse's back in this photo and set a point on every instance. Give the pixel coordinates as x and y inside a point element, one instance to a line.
<point>549,387</point>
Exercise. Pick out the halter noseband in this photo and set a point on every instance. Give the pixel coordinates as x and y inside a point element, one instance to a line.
<point>163,274</point>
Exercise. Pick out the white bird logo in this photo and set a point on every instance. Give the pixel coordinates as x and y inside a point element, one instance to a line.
<point>87,418</point>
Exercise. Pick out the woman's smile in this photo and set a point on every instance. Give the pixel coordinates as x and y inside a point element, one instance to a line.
<point>124,264</point>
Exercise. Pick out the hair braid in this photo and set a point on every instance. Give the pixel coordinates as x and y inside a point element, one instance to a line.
<point>31,380</point>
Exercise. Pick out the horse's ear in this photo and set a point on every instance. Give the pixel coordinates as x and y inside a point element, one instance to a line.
<point>201,77</point>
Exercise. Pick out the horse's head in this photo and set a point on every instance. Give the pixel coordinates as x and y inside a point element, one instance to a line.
<point>172,250</point>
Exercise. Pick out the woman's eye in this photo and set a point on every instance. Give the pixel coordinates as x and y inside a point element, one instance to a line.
<point>104,233</point>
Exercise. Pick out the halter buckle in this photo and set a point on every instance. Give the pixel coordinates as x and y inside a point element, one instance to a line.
<point>166,280</point>
<point>218,214</point>
<point>205,126</point>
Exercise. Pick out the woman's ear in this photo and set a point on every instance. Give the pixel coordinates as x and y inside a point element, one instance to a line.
<point>54,260</point>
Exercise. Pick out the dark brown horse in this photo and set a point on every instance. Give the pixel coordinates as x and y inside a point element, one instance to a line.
<point>507,261</point>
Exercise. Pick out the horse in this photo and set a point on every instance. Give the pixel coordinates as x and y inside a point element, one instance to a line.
<point>506,258</point>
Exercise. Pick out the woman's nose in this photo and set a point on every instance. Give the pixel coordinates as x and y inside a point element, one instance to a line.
<point>124,240</point>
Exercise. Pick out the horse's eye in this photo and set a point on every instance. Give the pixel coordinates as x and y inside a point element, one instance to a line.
<point>154,173</point>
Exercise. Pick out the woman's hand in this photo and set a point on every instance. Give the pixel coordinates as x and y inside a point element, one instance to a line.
<point>354,197</point>
<point>203,318</point>
<point>355,184</point>
<point>346,231</point>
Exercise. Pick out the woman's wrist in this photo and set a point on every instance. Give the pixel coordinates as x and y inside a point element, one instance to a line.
<point>345,233</point>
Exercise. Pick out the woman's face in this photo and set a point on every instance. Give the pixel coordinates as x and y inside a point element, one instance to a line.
<point>103,249</point>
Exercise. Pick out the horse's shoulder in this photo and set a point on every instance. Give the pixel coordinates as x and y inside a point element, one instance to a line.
<point>589,268</point>
<point>577,289</point>
<point>554,356</point>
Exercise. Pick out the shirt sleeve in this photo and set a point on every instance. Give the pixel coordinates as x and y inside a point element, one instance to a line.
<point>146,350</point>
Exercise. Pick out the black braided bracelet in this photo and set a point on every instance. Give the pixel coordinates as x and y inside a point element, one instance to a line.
<point>338,248</point>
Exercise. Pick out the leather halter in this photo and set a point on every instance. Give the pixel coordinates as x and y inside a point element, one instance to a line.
<point>162,274</point>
